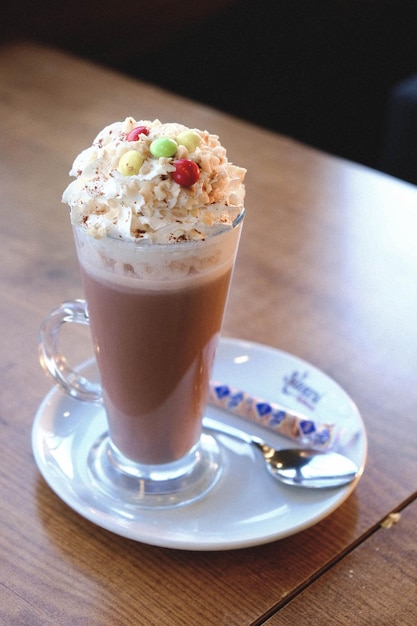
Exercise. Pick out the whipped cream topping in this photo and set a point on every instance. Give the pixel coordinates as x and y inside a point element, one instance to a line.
<point>126,188</point>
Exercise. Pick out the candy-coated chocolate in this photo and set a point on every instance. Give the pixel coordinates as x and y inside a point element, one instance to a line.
<point>163,147</point>
<point>136,132</point>
<point>186,172</point>
<point>190,139</point>
<point>130,163</point>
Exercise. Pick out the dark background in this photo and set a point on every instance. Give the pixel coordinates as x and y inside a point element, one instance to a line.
<point>321,71</point>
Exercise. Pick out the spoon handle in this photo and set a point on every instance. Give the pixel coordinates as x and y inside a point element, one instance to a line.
<point>273,416</point>
<point>232,431</point>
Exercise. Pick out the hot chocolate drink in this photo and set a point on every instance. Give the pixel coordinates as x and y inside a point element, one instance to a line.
<point>155,349</point>
<point>157,211</point>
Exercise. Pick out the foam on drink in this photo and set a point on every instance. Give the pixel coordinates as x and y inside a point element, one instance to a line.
<point>138,199</point>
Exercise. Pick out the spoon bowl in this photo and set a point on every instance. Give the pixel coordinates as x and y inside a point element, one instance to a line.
<point>299,467</point>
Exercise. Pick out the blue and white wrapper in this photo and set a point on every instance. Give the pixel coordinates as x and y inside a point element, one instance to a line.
<point>272,416</point>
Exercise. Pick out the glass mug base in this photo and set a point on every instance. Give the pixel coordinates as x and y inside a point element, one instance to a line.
<point>155,486</point>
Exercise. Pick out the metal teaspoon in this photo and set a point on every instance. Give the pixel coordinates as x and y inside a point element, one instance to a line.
<point>300,467</point>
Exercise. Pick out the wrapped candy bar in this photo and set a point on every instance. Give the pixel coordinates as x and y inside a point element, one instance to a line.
<point>273,416</point>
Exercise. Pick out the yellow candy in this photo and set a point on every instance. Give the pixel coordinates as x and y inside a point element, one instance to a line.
<point>190,139</point>
<point>130,163</point>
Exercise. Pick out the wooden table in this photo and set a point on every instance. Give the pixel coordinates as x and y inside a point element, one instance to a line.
<point>327,270</point>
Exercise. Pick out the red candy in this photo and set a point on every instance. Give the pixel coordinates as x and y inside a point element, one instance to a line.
<point>186,172</point>
<point>135,132</point>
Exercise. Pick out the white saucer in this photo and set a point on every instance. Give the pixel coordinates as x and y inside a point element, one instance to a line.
<point>247,506</point>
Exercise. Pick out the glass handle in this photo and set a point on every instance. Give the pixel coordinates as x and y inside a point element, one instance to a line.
<point>55,363</point>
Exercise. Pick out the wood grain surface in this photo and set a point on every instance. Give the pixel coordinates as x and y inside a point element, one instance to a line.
<point>374,584</point>
<point>327,270</point>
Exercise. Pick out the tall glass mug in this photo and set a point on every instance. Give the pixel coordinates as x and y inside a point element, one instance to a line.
<point>155,314</point>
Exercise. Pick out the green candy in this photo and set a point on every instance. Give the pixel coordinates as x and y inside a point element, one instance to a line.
<point>130,163</point>
<point>190,139</point>
<point>163,147</point>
